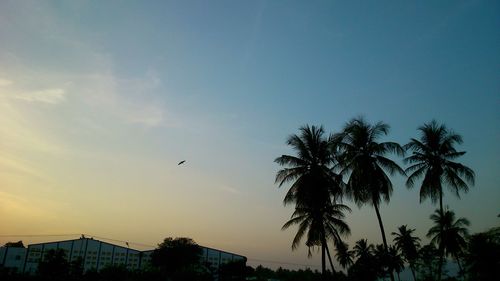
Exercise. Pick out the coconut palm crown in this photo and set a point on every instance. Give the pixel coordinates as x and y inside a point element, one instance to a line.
<point>433,159</point>
<point>310,171</point>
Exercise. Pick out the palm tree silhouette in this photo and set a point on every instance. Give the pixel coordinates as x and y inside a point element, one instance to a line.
<point>432,159</point>
<point>395,261</point>
<point>449,234</point>
<point>320,226</point>
<point>408,245</point>
<point>362,250</point>
<point>343,255</point>
<point>364,158</point>
<point>315,190</point>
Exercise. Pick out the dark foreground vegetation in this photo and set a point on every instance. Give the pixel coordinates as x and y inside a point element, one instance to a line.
<point>355,164</point>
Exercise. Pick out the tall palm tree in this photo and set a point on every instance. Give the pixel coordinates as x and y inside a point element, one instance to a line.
<point>432,159</point>
<point>449,234</point>
<point>364,159</point>
<point>315,188</point>
<point>343,255</point>
<point>408,245</point>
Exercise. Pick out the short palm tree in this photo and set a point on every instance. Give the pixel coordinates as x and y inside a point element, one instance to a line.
<point>432,159</point>
<point>315,189</point>
<point>408,245</point>
<point>395,261</point>
<point>364,159</point>
<point>319,226</point>
<point>344,255</point>
<point>362,249</point>
<point>449,234</point>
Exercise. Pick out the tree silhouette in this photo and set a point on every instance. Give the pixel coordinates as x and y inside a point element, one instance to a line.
<point>18,244</point>
<point>483,256</point>
<point>178,259</point>
<point>363,158</point>
<point>449,234</point>
<point>344,256</point>
<point>408,245</point>
<point>314,190</point>
<point>54,265</point>
<point>432,159</point>
<point>365,268</point>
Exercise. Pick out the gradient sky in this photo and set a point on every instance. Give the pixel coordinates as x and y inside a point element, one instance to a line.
<point>99,100</point>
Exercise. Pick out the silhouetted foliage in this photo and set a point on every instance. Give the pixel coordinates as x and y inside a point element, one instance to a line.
<point>18,244</point>
<point>449,235</point>
<point>233,271</point>
<point>179,259</point>
<point>408,245</point>
<point>427,262</point>
<point>482,258</point>
<point>54,265</point>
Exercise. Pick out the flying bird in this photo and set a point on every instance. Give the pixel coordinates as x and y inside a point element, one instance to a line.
<point>182,162</point>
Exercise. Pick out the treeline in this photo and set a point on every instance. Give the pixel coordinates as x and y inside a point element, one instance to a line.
<point>354,164</point>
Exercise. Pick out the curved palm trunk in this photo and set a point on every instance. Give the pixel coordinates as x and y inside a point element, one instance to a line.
<point>383,234</point>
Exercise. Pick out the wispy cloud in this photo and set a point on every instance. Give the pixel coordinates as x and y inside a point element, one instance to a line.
<point>49,96</point>
<point>228,189</point>
<point>5,82</point>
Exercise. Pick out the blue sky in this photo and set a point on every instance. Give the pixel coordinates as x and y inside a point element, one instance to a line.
<point>101,99</point>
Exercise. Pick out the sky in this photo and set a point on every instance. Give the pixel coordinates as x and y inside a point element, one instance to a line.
<point>100,100</point>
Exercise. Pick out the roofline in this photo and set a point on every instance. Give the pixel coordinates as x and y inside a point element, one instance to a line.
<point>71,240</point>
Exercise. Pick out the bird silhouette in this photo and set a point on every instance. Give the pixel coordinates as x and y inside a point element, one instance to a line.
<point>182,162</point>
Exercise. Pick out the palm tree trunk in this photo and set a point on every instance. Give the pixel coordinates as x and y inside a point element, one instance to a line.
<point>383,234</point>
<point>461,272</point>
<point>323,263</point>
<point>412,269</point>
<point>440,265</point>
<point>329,257</point>
<point>441,249</point>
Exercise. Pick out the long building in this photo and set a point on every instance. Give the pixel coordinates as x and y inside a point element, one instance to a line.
<point>96,255</point>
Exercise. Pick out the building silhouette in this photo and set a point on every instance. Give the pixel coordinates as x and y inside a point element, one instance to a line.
<point>96,255</point>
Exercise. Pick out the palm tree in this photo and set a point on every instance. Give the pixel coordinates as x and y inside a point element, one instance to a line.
<point>320,225</point>
<point>364,158</point>
<point>408,245</point>
<point>315,188</point>
<point>365,268</point>
<point>362,250</point>
<point>343,255</point>
<point>395,261</point>
<point>432,158</point>
<point>449,234</point>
